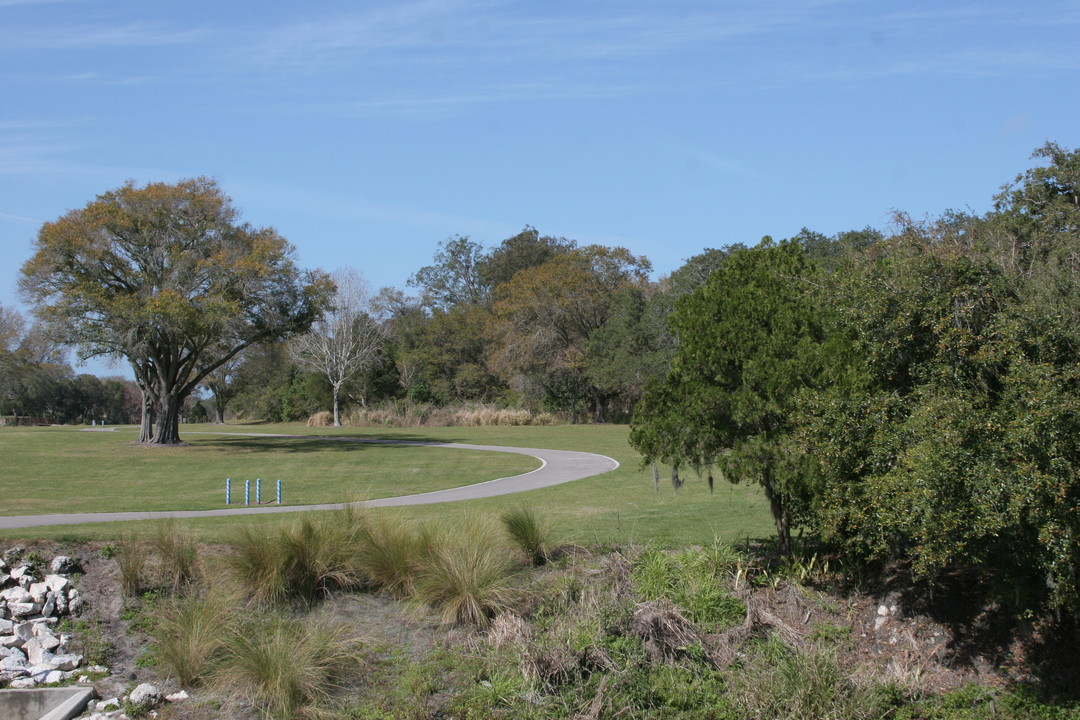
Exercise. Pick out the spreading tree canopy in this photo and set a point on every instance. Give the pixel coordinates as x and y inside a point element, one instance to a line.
<point>167,277</point>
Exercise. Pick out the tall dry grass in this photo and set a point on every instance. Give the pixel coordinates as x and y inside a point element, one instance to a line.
<point>410,414</point>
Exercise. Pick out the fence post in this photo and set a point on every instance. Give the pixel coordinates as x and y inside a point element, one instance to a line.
<point>279,491</point>
<point>247,492</point>
<point>258,491</point>
<point>228,491</point>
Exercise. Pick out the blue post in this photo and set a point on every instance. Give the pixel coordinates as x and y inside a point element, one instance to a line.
<point>228,490</point>
<point>258,491</point>
<point>279,492</point>
<point>247,492</point>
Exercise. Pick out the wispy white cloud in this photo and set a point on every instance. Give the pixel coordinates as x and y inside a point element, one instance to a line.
<point>19,219</point>
<point>57,36</point>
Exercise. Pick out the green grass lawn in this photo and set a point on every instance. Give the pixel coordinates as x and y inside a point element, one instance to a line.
<point>60,470</point>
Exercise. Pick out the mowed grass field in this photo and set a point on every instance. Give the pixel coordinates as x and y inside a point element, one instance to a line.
<point>56,470</point>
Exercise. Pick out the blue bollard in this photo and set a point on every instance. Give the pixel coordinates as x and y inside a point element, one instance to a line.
<point>247,492</point>
<point>228,490</point>
<point>258,491</point>
<point>279,492</point>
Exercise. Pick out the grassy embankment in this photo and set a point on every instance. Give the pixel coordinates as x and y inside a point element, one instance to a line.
<point>57,470</point>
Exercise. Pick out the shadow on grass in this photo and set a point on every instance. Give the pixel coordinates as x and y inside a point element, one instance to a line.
<point>316,443</point>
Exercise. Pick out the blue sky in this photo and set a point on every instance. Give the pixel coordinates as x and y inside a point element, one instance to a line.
<point>367,132</point>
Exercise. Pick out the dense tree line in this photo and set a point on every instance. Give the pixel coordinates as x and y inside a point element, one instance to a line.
<point>912,397</point>
<point>36,382</point>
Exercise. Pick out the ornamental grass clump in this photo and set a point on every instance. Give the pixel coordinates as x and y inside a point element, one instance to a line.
<point>301,562</point>
<point>390,553</point>
<point>177,551</point>
<point>189,633</point>
<point>286,668</point>
<point>131,561</point>
<point>530,533</point>
<point>465,576</point>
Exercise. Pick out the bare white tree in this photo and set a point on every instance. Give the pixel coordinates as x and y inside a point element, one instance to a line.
<point>345,341</point>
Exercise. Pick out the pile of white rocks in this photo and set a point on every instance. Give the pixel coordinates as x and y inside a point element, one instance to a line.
<point>32,652</point>
<point>142,702</point>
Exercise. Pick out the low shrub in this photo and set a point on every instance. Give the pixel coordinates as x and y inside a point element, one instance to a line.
<point>779,682</point>
<point>694,581</point>
<point>413,414</point>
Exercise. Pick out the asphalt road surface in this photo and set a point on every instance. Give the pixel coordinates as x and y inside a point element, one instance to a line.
<point>558,466</point>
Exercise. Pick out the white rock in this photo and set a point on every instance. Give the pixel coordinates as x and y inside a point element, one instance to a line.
<point>23,683</point>
<point>21,572</point>
<point>883,610</point>
<point>62,564</point>
<point>60,602</point>
<point>57,583</point>
<point>39,656</point>
<point>41,630</point>
<point>146,695</point>
<point>67,661</point>
<point>11,641</point>
<point>25,630</point>
<point>879,621</point>
<point>55,676</point>
<point>15,594</point>
<point>23,609</point>
<point>6,652</point>
<point>7,627</point>
<point>177,696</point>
<point>106,705</point>
<point>12,663</point>
<point>38,591</point>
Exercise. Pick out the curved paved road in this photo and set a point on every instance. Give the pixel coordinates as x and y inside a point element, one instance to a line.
<point>558,466</point>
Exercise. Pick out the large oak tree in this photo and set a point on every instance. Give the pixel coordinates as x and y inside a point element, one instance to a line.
<point>167,277</point>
